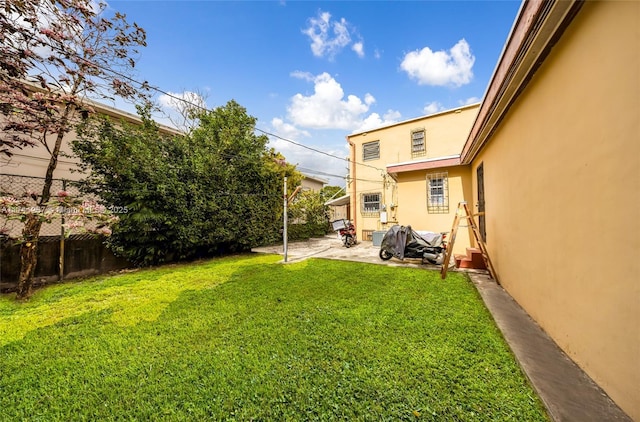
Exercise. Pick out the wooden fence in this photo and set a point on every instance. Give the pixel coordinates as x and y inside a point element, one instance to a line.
<point>84,255</point>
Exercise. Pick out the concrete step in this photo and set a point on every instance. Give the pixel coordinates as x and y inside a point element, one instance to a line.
<point>476,257</point>
<point>473,259</point>
<point>463,261</point>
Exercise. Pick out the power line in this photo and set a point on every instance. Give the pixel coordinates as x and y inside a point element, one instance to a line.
<point>145,84</point>
<point>39,158</point>
<point>336,175</point>
<point>198,106</point>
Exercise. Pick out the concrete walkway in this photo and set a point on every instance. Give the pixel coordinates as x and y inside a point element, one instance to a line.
<point>568,393</point>
<point>331,247</point>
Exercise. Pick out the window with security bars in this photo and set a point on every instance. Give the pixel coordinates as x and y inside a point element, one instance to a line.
<point>370,204</point>
<point>418,144</point>
<point>371,151</point>
<point>438,193</point>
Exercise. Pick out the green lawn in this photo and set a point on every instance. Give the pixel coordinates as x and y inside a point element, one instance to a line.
<point>246,338</point>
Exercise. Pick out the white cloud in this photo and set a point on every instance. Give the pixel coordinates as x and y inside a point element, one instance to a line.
<point>180,101</point>
<point>453,67</point>
<point>358,48</point>
<point>327,107</point>
<point>470,100</point>
<point>329,37</point>
<point>287,130</point>
<point>392,116</point>
<point>308,161</point>
<point>369,99</point>
<point>433,107</point>
<point>377,54</point>
<point>374,120</point>
<point>305,76</point>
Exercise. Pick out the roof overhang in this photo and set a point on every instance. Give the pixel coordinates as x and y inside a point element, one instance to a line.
<point>537,28</point>
<point>315,178</point>
<point>415,119</point>
<point>343,200</point>
<point>107,110</point>
<point>428,164</point>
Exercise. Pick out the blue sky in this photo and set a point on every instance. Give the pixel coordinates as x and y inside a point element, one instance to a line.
<point>313,72</point>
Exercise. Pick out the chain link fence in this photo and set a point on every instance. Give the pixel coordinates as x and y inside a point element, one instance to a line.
<point>18,186</point>
<point>59,257</point>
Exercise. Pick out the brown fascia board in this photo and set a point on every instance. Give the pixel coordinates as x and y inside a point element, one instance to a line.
<point>537,28</point>
<point>432,163</point>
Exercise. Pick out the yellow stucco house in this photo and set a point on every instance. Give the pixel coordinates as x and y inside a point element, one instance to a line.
<point>409,173</point>
<point>552,155</point>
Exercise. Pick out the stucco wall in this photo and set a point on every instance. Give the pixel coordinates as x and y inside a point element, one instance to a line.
<point>33,161</point>
<point>412,197</point>
<point>562,186</point>
<point>309,183</point>
<point>445,134</point>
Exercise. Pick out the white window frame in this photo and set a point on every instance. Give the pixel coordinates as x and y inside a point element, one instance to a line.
<point>438,193</point>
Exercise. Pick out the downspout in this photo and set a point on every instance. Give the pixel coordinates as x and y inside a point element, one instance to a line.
<point>383,200</point>
<point>392,212</point>
<point>352,176</point>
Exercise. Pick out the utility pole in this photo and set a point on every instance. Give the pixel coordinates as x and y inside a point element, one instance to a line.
<point>284,232</point>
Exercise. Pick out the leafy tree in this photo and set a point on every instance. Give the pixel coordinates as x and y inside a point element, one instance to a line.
<point>244,177</point>
<point>331,192</point>
<point>215,190</point>
<point>53,54</point>
<point>310,214</point>
<point>143,188</point>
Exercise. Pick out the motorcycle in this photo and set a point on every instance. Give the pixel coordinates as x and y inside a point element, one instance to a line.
<point>404,242</point>
<point>347,232</point>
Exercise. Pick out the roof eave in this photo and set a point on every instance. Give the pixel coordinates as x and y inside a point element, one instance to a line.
<point>343,200</point>
<point>428,164</point>
<point>403,122</point>
<point>110,111</point>
<point>315,178</point>
<point>538,27</point>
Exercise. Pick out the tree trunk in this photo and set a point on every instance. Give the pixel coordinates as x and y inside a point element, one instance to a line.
<point>31,230</point>
<point>28,256</point>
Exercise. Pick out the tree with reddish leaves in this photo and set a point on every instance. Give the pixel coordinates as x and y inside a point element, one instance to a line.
<point>54,54</point>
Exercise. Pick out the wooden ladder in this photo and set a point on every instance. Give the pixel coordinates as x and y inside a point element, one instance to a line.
<point>463,213</point>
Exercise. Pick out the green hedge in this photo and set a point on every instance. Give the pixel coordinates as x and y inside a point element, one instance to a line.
<point>307,231</point>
